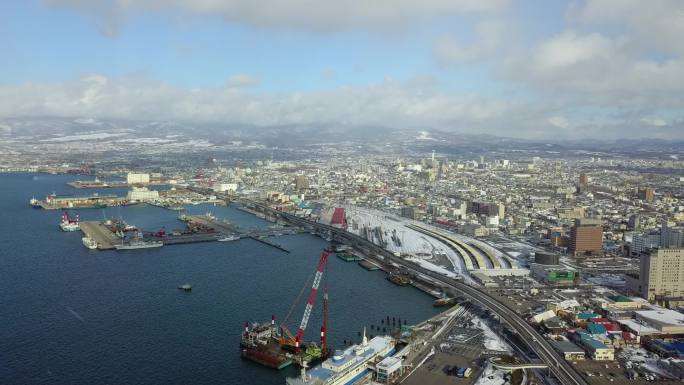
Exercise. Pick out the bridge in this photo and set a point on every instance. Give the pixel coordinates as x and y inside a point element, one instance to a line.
<point>560,368</point>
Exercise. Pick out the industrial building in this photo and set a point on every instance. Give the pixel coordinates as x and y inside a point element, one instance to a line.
<point>142,194</point>
<point>137,178</point>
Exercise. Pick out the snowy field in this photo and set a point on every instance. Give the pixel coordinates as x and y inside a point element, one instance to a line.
<point>419,245</point>
<point>410,242</point>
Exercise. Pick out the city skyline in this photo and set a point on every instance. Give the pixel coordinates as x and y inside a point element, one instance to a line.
<point>552,71</point>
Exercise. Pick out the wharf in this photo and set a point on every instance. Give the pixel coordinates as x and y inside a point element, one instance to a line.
<point>267,242</point>
<point>83,184</point>
<point>100,233</point>
<point>211,223</point>
<point>229,229</point>
<point>348,257</point>
<point>86,202</point>
<point>370,266</point>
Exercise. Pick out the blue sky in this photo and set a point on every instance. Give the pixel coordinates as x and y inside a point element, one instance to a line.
<point>561,65</point>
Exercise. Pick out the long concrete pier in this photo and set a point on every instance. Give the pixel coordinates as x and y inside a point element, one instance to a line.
<point>100,233</point>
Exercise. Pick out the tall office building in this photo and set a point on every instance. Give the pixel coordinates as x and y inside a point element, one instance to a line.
<point>661,276</point>
<point>646,194</point>
<point>634,221</point>
<point>301,182</point>
<point>586,237</point>
<point>583,181</point>
<point>671,236</point>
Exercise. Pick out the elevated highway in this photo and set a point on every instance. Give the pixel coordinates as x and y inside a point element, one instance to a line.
<point>560,368</point>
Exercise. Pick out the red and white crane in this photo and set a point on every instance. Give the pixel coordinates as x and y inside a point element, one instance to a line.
<point>312,300</point>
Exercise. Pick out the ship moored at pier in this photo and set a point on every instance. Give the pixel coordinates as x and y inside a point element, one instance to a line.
<point>347,366</point>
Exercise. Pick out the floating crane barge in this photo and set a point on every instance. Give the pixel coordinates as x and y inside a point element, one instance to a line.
<point>276,347</point>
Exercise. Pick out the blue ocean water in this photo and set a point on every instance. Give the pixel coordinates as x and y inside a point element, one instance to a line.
<point>70,315</point>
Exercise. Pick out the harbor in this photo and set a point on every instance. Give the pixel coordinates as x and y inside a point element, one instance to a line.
<point>115,235</point>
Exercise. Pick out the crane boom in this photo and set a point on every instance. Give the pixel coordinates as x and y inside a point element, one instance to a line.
<point>312,298</point>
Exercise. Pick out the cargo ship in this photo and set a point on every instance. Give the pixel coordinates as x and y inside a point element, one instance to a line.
<point>347,366</point>
<point>69,224</point>
<point>138,244</point>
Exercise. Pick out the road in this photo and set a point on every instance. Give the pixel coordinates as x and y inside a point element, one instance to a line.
<point>560,368</point>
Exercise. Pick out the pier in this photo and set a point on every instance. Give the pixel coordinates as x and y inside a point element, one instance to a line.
<point>52,202</point>
<point>200,228</point>
<point>100,233</point>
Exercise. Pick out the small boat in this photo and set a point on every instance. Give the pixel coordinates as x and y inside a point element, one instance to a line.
<point>228,239</point>
<point>185,287</point>
<point>89,243</point>
<point>442,302</point>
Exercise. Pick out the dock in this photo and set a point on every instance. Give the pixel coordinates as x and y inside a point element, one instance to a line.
<point>208,222</point>
<point>201,228</point>
<point>100,233</point>
<point>368,265</point>
<point>267,242</point>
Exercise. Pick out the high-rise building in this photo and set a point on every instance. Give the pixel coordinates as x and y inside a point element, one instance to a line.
<point>671,236</point>
<point>646,194</point>
<point>586,237</point>
<point>634,221</point>
<point>584,180</point>
<point>301,183</point>
<point>661,276</point>
<point>487,208</point>
<point>643,242</point>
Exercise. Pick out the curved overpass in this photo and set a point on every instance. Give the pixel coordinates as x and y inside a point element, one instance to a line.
<point>563,371</point>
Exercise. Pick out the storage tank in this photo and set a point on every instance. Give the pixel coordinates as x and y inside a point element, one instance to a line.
<point>544,258</point>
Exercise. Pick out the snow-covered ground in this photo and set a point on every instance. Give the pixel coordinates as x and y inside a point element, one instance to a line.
<point>491,376</point>
<point>433,267</point>
<point>414,242</point>
<point>411,242</point>
<point>86,136</point>
<point>492,341</point>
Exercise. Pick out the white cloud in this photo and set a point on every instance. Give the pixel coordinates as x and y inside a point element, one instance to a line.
<point>655,122</point>
<point>598,70</point>
<point>309,15</point>
<point>389,103</point>
<point>489,35</point>
<point>653,24</point>
<point>416,104</point>
<point>242,81</point>
<point>559,121</point>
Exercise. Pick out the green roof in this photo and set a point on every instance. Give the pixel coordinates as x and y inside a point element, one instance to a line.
<point>587,315</point>
<point>620,298</point>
